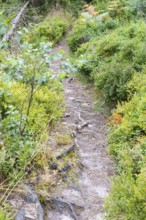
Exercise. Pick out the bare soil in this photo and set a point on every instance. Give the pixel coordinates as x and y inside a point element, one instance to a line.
<point>83,199</point>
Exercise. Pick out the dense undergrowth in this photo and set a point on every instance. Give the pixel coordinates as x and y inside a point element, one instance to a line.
<point>110,51</point>
<point>31,100</point>
<point>128,145</point>
<point>52,29</point>
<point>108,42</point>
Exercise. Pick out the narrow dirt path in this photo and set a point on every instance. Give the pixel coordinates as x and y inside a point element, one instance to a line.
<point>84,199</point>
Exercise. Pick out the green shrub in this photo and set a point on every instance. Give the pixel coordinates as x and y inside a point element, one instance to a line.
<point>86,29</point>
<point>127,143</point>
<point>29,101</point>
<point>110,60</point>
<point>132,125</point>
<point>22,135</point>
<point>138,7</point>
<point>52,29</point>
<point>100,4</point>
<point>73,6</point>
<point>113,80</point>
<point>82,32</point>
<point>127,197</point>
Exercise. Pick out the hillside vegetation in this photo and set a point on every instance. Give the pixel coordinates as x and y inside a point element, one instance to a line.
<point>31,98</point>
<point>108,42</point>
<point>107,46</point>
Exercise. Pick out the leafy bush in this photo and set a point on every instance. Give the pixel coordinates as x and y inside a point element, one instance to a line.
<point>82,33</point>
<point>113,80</point>
<point>30,99</point>
<point>128,145</point>
<point>86,29</point>
<point>100,5</point>
<point>51,29</point>
<point>20,141</point>
<point>73,6</point>
<point>138,7</point>
<point>110,61</point>
<point>127,197</point>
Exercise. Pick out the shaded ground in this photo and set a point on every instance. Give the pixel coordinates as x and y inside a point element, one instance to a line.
<point>84,199</point>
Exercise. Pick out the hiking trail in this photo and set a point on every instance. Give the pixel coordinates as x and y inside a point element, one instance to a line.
<point>84,199</point>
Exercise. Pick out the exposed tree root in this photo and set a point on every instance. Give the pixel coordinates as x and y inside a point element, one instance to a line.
<point>65,152</point>
<point>56,203</point>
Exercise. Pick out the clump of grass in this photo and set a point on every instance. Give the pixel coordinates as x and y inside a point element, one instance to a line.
<point>63,139</point>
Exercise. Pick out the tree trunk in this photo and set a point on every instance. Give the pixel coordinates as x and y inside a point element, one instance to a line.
<point>15,22</point>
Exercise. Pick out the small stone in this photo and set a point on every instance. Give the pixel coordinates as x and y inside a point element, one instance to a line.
<point>53,166</point>
<point>28,216</point>
<point>90,126</point>
<point>74,134</point>
<point>72,98</point>
<point>79,127</point>
<point>67,115</point>
<point>85,105</point>
<point>66,168</point>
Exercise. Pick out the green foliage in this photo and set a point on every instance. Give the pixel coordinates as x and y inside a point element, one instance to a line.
<point>86,29</point>
<point>82,33</point>
<point>128,144</point>
<point>110,60</point>
<point>29,100</point>
<point>6,15</point>
<point>127,197</point>
<point>112,80</point>
<point>51,29</point>
<point>4,215</point>
<point>114,61</point>
<point>138,7</point>
<point>100,5</point>
<point>73,6</point>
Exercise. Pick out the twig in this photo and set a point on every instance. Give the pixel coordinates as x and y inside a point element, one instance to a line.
<point>79,127</point>
<point>84,123</point>
<point>76,142</point>
<point>80,118</point>
<point>65,152</point>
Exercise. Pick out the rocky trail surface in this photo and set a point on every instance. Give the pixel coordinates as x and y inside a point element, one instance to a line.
<point>84,199</point>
